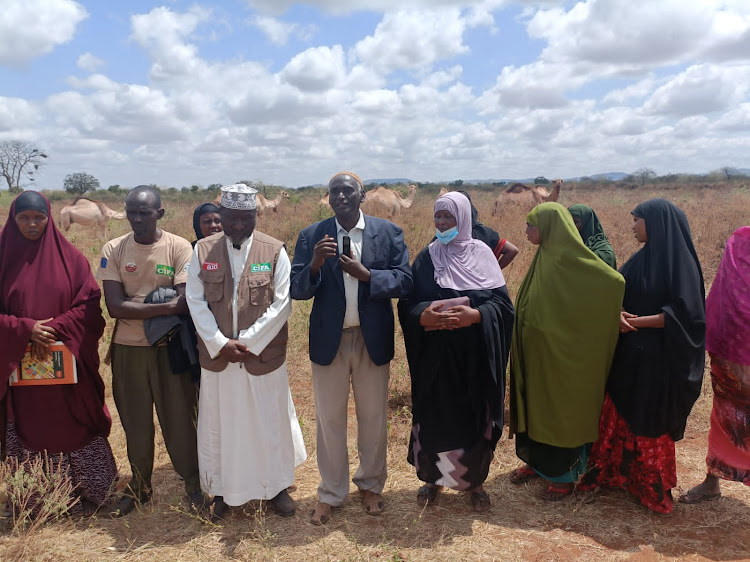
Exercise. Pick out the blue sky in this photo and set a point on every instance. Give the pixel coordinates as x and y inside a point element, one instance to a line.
<point>177,93</point>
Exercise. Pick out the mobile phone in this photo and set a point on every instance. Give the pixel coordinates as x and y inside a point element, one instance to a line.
<point>346,246</point>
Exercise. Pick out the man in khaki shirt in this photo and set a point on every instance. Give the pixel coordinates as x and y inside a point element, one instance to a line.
<point>131,267</point>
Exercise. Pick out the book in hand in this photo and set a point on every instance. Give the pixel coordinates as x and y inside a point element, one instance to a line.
<point>59,368</point>
<point>448,303</point>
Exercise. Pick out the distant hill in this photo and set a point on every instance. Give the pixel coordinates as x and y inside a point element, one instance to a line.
<point>387,181</point>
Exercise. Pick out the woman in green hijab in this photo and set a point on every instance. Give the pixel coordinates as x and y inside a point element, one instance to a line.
<point>592,233</point>
<point>564,337</point>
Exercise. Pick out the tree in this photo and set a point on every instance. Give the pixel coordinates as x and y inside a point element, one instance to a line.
<point>19,160</point>
<point>79,183</point>
<point>457,183</point>
<point>642,175</point>
<point>729,171</point>
<point>116,189</point>
<point>540,180</point>
<point>214,187</point>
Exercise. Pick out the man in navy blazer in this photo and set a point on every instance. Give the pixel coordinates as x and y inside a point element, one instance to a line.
<point>351,337</point>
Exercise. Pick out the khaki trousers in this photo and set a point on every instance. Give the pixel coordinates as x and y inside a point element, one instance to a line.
<point>142,379</point>
<point>352,365</point>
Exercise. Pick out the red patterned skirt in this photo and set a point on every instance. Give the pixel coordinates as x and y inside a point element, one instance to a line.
<point>729,437</point>
<point>643,466</point>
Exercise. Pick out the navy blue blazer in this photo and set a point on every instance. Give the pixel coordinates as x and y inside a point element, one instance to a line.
<point>385,255</point>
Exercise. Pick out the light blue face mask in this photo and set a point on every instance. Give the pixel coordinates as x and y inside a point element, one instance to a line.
<point>447,236</point>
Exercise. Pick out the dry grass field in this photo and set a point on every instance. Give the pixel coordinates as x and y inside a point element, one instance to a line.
<point>519,526</point>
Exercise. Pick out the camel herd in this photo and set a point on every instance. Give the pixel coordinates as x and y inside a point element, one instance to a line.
<point>381,200</point>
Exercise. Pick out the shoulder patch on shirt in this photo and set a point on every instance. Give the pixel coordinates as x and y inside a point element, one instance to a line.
<point>260,267</point>
<point>103,263</point>
<point>211,266</point>
<point>165,270</point>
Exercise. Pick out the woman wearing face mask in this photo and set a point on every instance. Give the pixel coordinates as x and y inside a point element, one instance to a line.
<point>567,319</point>
<point>457,356</point>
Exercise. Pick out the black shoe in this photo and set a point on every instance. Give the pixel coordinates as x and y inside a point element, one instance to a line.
<point>220,509</point>
<point>199,502</point>
<point>283,504</point>
<point>125,505</point>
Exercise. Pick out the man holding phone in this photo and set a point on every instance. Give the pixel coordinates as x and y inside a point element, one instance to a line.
<point>353,265</point>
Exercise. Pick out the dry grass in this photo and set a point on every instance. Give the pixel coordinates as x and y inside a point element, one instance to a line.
<point>519,526</point>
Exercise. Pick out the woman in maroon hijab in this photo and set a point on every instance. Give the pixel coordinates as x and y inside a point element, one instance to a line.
<point>48,294</point>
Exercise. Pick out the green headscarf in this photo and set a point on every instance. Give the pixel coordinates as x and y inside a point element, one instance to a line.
<point>593,233</point>
<point>565,333</point>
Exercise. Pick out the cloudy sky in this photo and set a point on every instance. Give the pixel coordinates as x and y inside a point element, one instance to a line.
<point>183,92</point>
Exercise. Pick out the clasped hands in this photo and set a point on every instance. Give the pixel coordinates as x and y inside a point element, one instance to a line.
<point>452,318</point>
<point>625,325</point>
<point>42,337</point>
<point>327,248</point>
<point>234,351</point>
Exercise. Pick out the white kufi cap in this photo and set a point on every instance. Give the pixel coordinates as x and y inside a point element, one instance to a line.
<point>238,196</point>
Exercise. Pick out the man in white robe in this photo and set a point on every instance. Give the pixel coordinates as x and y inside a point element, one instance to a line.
<point>249,438</point>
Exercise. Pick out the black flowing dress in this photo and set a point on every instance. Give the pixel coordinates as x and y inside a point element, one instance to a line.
<point>458,382</point>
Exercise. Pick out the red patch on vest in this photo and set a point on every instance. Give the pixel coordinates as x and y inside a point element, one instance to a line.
<point>211,266</point>
<point>130,267</point>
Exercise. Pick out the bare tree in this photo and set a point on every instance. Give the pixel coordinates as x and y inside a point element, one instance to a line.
<point>19,160</point>
<point>642,175</point>
<point>729,171</point>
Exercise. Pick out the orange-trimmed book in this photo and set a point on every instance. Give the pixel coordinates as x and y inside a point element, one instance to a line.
<point>59,368</point>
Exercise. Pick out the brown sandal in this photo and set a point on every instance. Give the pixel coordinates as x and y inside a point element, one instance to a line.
<point>373,503</point>
<point>321,514</point>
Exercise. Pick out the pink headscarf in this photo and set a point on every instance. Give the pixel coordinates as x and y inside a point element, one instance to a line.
<point>728,303</point>
<point>465,264</point>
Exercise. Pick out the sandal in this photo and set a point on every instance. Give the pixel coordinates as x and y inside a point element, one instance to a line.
<point>321,514</point>
<point>480,501</point>
<point>427,494</point>
<point>695,496</point>
<point>523,474</point>
<point>373,502</point>
<point>555,492</point>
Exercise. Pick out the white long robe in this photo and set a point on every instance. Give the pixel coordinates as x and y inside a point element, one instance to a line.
<point>249,438</point>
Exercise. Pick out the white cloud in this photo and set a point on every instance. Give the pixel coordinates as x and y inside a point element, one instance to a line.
<point>278,32</point>
<point>413,39</point>
<point>381,6</point>
<point>32,28</point>
<point>316,69</point>
<point>17,114</point>
<point>89,62</point>
<point>700,89</point>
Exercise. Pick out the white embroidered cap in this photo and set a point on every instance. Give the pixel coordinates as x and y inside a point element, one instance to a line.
<point>238,196</point>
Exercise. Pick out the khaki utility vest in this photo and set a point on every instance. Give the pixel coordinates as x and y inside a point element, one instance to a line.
<point>254,295</point>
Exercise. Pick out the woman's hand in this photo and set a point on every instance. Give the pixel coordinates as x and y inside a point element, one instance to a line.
<point>39,352</point>
<point>43,335</point>
<point>434,317</point>
<point>465,315</point>
<point>625,325</point>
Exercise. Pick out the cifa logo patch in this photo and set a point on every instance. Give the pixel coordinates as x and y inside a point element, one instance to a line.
<point>164,270</point>
<point>260,267</point>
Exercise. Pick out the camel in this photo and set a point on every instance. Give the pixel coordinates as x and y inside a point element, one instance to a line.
<point>88,212</point>
<point>443,191</point>
<point>389,200</point>
<point>526,197</point>
<point>263,203</point>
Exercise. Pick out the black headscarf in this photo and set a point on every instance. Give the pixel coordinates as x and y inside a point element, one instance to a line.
<point>198,213</point>
<point>480,231</point>
<point>31,201</point>
<point>657,373</point>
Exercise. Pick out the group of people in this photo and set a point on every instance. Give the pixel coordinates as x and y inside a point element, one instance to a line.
<point>605,366</point>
